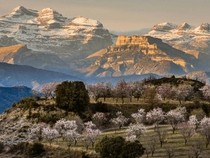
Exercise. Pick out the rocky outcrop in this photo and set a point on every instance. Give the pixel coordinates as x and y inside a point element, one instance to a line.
<point>140,55</point>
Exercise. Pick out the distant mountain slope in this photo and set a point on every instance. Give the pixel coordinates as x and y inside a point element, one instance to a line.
<point>21,55</point>
<point>12,75</point>
<point>51,36</point>
<point>10,95</point>
<point>136,55</point>
<point>190,39</point>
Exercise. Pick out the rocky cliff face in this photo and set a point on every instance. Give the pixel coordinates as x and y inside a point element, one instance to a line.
<point>140,55</point>
<point>47,31</point>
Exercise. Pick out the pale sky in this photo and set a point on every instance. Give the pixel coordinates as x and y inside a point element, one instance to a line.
<point>123,15</point>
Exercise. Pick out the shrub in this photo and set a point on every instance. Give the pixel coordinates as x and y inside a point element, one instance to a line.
<point>36,149</point>
<point>117,147</point>
<point>21,148</point>
<point>1,147</point>
<point>99,107</point>
<point>27,103</point>
<point>200,114</point>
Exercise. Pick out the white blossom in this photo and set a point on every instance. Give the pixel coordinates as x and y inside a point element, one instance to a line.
<point>62,126</point>
<point>174,117</point>
<point>131,138</point>
<point>50,134</point>
<point>136,129</point>
<point>155,116</point>
<point>90,133</point>
<point>139,116</point>
<point>193,121</point>
<point>36,131</point>
<point>120,120</point>
<point>99,118</point>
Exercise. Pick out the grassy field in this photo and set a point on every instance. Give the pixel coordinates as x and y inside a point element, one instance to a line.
<point>174,143</point>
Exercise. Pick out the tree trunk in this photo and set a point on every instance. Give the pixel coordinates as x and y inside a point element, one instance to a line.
<point>152,153</point>
<point>207,144</point>
<point>173,128</point>
<point>122,100</point>
<point>185,141</point>
<point>161,144</point>
<point>131,99</point>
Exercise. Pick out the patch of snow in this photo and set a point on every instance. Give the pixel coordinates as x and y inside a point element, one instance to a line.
<point>85,21</point>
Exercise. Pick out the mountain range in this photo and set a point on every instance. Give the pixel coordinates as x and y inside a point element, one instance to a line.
<point>192,40</point>
<point>37,47</point>
<point>82,47</point>
<point>51,41</point>
<point>21,75</point>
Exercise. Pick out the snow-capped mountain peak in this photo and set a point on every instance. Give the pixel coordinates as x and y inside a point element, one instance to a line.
<point>20,10</point>
<point>86,21</point>
<point>184,26</point>
<point>49,32</point>
<point>204,27</point>
<point>48,16</point>
<point>166,26</point>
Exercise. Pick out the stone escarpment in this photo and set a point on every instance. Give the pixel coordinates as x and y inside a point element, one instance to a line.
<point>140,55</point>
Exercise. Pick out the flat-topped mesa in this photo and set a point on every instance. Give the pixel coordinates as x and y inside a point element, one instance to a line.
<point>142,43</point>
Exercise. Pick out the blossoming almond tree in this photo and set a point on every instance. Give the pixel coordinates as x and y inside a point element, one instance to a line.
<point>205,129</point>
<point>136,129</point>
<point>90,134</point>
<point>174,117</point>
<point>62,126</point>
<point>35,133</point>
<point>155,116</point>
<point>120,120</point>
<point>187,130</point>
<point>99,118</point>
<point>72,137</point>
<point>139,117</point>
<point>50,134</point>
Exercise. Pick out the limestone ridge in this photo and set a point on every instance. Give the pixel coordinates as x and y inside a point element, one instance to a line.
<point>47,31</point>
<point>140,55</point>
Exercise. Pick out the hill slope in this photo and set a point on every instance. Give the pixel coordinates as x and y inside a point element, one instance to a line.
<point>10,95</point>
<point>12,75</point>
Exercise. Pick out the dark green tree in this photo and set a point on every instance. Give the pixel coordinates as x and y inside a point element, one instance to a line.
<point>132,150</point>
<point>117,147</point>
<point>72,96</point>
